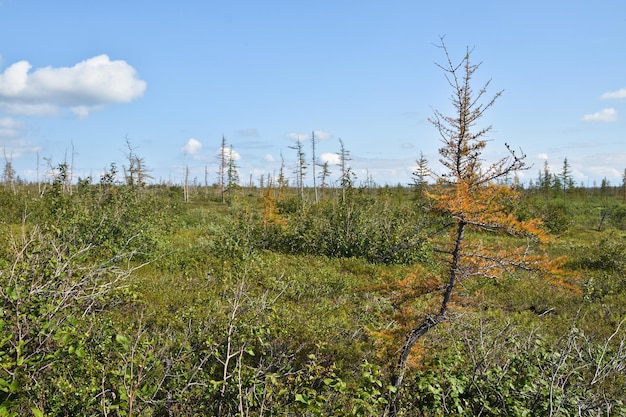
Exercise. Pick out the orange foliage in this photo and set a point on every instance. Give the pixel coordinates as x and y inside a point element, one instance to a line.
<point>271,215</point>
<point>495,243</point>
<point>487,209</point>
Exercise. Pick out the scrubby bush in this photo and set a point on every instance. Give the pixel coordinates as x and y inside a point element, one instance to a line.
<point>505,370</point>
<point>363,226</point>
<point>617,217</point>
<point>557,216</point>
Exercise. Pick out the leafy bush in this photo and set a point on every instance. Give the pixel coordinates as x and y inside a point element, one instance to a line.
<point>608,254</point>
<point>557,216</point>
<point>491,371</point>
<point>363,226</point>
<point>47,289</point>
<point>617,217</point>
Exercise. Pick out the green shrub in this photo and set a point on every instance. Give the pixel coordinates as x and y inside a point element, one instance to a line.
<point>367,227</point>
<point>617,217</point>
<point>557,216</point>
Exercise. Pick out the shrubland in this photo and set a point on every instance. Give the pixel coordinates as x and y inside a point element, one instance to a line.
<point>122,301</point>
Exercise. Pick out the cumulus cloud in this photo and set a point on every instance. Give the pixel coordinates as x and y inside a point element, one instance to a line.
<point>331,158</point>
<point>229,153</point>
<point>192,147</point>
<point>269,158</point>
<point>82,88</point>
<point>543,156</point>
<point>621,93</point>
<point>603,116</point>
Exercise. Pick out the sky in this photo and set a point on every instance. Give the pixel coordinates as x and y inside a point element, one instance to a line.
<point>81,79</point>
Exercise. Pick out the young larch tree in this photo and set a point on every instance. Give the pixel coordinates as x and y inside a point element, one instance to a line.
<point>472,197</point>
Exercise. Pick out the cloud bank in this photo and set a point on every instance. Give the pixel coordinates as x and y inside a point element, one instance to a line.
<point>84,87</point>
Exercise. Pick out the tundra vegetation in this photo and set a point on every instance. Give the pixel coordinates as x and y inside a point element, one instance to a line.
<point>467,294</point>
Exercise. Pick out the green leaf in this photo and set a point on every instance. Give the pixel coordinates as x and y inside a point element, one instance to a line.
<point>37,412</point>
<point>80,352</point>
<point>12,293</point>
<point>121,339</point>
<point>14,386</point>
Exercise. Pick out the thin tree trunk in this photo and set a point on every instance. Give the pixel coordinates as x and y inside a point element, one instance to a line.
<point>421,329</point>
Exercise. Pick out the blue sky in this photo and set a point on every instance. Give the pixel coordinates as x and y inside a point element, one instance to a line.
<point>81,76</point>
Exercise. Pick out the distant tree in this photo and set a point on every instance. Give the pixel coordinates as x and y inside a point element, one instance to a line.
<point>469,197</point>
<point>109,178</point>
<point>283,182</point>
<point>58,174</point>
<point>37,175</point>
<point>566,178</point>
<point>605,185</point>
<point>206,180</point>
<point>323,175</point>
<point>186,185</point>
<point>346,176</point>
<point>624,186</point>
<point>136,173</point>
<point>8,174</point>
<point>421,175</point>
<point>223,164</point>
<point>301,165</point>
<point>545,179</point>
<point>313,164</point>
<point>232,173</point>
<point>70,178</point>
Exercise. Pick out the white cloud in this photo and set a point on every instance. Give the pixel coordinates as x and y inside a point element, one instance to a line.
<point>603,116</point>
<point>331,158</point>
<point>319,134</point>
<point>11,141</point>
<point>543,156</point>
<point>9,128</point>
<point>604,171</point>
<point>229,153</point>
<point>83,111</point>
<point>84,87</point>
<point>192,147</point>
<point>269,158</point>
<point>621,93</point>
<point>296,136</point>
<point>322,135</point>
